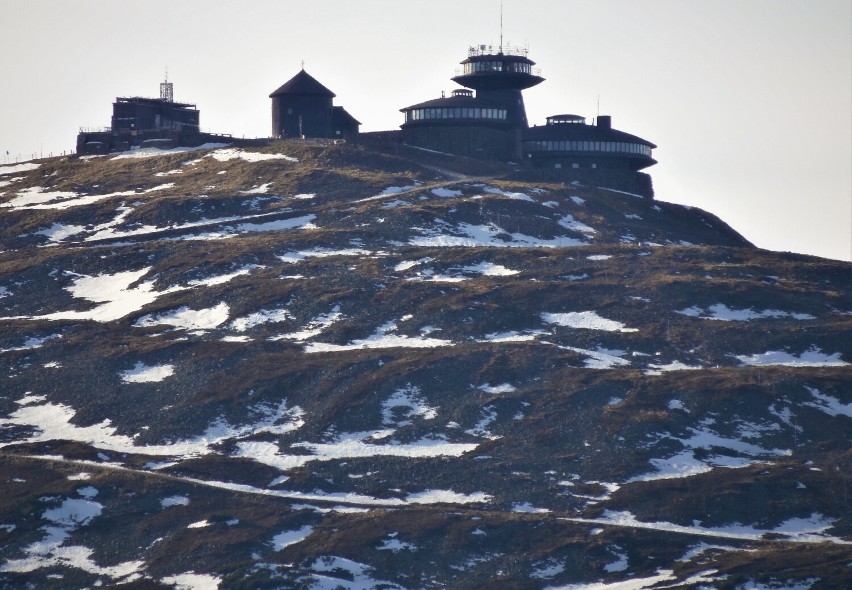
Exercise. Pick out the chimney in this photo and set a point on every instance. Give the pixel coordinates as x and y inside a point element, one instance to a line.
<point>604,121</point>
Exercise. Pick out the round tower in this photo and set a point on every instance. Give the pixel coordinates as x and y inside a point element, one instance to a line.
<point>499,77</point>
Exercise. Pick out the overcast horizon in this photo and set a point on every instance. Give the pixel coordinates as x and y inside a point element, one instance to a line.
<point>750,104</point>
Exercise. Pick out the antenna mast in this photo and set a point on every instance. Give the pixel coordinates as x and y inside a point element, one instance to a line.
<point>167,89</point>
<point>501,26</point>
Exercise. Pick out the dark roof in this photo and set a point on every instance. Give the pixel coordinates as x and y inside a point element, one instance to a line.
<point>302,83</point>
<point>582,132</point>
<point>342,116</point>
<point>454,101</point>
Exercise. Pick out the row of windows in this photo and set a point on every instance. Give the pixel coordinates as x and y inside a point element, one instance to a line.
<point>497,66</point>
<point>587,146</point>
<point>454,113</point>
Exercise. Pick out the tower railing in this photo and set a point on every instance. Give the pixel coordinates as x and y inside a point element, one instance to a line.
<point>475,50</point>
<point>461,72</point>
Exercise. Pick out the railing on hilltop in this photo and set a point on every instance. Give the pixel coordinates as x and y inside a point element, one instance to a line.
<point>95,129</point>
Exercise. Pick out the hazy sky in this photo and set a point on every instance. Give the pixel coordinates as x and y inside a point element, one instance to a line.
<point>749,101</point>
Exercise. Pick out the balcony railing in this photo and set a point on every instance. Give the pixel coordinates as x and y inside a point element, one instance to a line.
<point>475,50</point>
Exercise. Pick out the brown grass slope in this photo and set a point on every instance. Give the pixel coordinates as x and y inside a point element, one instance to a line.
<point>569,426</point>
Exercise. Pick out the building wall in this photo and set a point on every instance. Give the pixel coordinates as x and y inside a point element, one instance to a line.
<point>477,142</point>
<point>153,115</point>
<point>315,112</point>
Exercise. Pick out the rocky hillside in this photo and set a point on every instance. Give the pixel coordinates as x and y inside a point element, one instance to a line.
<point>319,366</point>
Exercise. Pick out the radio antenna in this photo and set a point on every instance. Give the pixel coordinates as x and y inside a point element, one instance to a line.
<point>501,26</point>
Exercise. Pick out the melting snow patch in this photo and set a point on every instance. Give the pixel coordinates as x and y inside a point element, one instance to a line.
<point>490,270</point>
<point>588,320</point>
<point>495,389</point>
<point>222,279</point>
<point>53,422</point>
<point>287,538</point>
<point>681,465</point>
<point>672,366</point>
<point>406,264</point>
<point>620,564</point>
<point>802,530</point>
<point>193,581</point>
<point>395,545</point>
<point>174,501</point>
<point>381,338</point>
<point>512,336</point>
<point>568,222</point>
<point>350,446</point>
<point>51,552</point>
<point>142,373</point>
<point>528,508</point>
<point>445,192</point>
<point>404,404</point>
<point>389,191</point>
<point>58,232</point>
<point>723,313</point>
<point>631,584</point>
<point>258,190</point>
<point>511,195</point>
<point>224,155</point>
<point>548,569</point>
<point>294,257</point>
<point>599,257</point>
<point>830,405</point>
<point>314,328</point>
<point>32,343</point>
<point>258,318</point>
<point>73,512</point>
<point>13,168</point>
<point>113,292</point>
<point>601,358</point>
<point>813,357</point>
<point>473,236</point>
<point>356,576</point>
<point>152,152</point>
<point>446,497</point>
<point>185,318</point>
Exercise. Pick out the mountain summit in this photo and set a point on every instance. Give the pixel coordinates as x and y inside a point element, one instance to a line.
<point>313,365</point>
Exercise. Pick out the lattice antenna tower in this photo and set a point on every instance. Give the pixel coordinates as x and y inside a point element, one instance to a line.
<point>167,90</point>
<point>501,26</point>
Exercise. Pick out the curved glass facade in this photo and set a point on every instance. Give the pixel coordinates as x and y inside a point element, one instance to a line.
<point>622,147</point>
<point>518,67</point>
<point>455,113</point>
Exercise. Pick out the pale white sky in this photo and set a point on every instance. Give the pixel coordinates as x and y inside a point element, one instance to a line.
<point>749,101</point>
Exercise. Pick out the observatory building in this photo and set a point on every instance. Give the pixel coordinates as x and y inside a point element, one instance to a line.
<point>487,123</point>
<point>303,108</point>
<point>487,119</point>
<point>145,122</point>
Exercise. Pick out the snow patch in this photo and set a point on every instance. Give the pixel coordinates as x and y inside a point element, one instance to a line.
<point>404,404</point>
<point>23,167</point>
<point>185,318</point>
<point>812,357</point>
<point>723,313</point>
<point>587,320</point>
<point>225,155</point>
<point>287,538</point>
<point>142,373</point>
